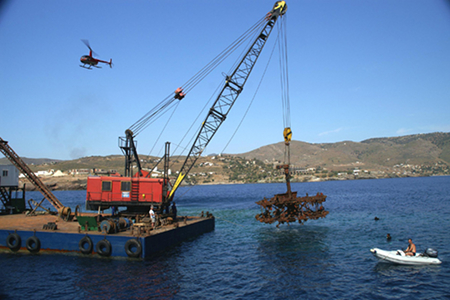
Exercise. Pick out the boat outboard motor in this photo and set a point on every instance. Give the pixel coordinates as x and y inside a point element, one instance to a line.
<point>430,252</point>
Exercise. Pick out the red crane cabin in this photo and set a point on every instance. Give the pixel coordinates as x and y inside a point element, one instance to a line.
<point>107,191</point>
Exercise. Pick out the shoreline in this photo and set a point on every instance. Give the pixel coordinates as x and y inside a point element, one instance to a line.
<point>79,182</point>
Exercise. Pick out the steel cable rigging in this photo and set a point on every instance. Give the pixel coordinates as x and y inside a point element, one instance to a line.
<point>167,102</point>
<point>253,98</point>
<point>288,207</point>
<point>233,86</point>
<point>281,42</point>
<point>249,33</point>
<point>284,81</point>
<point>136,190</point>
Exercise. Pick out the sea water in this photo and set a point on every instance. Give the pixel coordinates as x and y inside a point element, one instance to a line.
<point>244,259</point>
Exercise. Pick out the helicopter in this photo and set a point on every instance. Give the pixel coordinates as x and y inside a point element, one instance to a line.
<point>90,60</point>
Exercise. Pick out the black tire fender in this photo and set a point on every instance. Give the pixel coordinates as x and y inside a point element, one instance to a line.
<point>90,246</point>
<point>33,244</point>
<point>14,242</point>
<point>104,248</point>
<point>130,245</point>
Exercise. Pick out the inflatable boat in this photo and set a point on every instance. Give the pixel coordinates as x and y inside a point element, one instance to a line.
<point>429,257</point>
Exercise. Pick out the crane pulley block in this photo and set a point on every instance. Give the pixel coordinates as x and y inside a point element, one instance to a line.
<point>179,93</point>
<point>287,133</point>
<point>279,9</point>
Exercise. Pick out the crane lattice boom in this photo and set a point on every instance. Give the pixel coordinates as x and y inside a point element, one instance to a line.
<point>233,86</point>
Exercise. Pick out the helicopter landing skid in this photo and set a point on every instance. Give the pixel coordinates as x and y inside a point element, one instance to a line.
<point>89,68</point>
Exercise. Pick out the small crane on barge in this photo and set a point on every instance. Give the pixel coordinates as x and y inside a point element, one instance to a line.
<point>63,211</point>
<point>138,192</point>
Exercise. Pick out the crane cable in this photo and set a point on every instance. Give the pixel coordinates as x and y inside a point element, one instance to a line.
<point>282,47</point>
<point>284,80</point>
<point>187,132</point>
<point>195,122</point>
<point>281,42</point>
<point>191,83</point>
<point>167,123</point>
<point>207,69</point>
<point>164,105</point>
<point>253,98</point>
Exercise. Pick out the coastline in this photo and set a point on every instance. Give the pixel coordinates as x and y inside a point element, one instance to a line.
<point>79,182</point>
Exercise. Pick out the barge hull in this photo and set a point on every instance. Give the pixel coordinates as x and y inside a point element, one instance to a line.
<point>67,238</point>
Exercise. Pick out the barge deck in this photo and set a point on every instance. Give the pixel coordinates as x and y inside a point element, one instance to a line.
<point>19,232</point>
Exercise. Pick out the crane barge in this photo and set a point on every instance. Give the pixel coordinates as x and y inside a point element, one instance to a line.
<point>137,192</point>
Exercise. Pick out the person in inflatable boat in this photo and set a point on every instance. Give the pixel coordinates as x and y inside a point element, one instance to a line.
<point>411,250</point>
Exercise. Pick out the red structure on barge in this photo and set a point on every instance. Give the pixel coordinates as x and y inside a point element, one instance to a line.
<point>106,191</point>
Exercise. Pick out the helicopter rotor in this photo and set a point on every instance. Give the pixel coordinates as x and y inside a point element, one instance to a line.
<point>86,42</point>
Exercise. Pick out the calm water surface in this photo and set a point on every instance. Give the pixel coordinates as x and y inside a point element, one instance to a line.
<point>244,259</point>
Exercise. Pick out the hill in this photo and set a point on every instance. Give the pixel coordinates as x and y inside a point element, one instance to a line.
<point>411,155</point>
<point>31,161</point>
<point>376,153</point>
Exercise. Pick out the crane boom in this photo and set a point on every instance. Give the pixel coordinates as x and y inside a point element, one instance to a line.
<point>15,159</point>
<point>233,86</point>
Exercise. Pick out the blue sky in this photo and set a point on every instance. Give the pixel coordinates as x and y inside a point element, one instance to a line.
<point>358,69</point>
